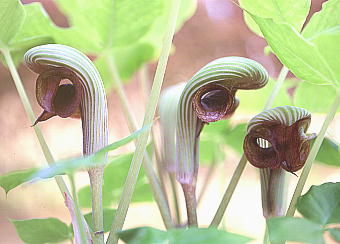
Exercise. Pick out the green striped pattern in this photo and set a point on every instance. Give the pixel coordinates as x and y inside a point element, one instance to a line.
<point>230,72</point>
<point>168,104</point>
<point>286,115</point>
<point>93,104</point>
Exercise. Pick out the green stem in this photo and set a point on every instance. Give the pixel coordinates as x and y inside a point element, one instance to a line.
<point>29,111</point>
<point>96,182</point>
<point>144,80</point>
<point>312,154</point>
<point>174,190</point>
<point>229,192</point>
<point>279,82</point>
<point>131,179</point>
<point>273,192</point>
<point>266,235</point>
<point>80,222</point>
<point>158,191</point>
<point>189,191</point>
<point>241,165</point>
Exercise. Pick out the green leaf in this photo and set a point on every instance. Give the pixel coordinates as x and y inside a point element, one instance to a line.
<point>299,55</point>
<point>108,218</point>
<point>15,178</point>
<point>112,27</point>
<point>205,235</point>
<point>321,204</point>
<point>37,29</point>
<point>128,60</point>
<point>113,33</point>
<point>39,231</point>
<point>71,165</point>
<point>114,177</point>
<point>145,235</point>
<point>150,235</point>
<point>335,234</point>
<point>323,20</point>
<point>294,229</point>
<point>328,44</point>
<point>329,153</point>
<point>326,95</point>
<point>293,12</point>
<point>12,15</point>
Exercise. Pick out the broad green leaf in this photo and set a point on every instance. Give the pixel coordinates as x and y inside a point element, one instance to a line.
<point>293,12</point>
<point>321,204</point>
<point>335,234</point>
<point>150,235</point>
<point>301,56</point>
<point>294,229</point>
<point>205,235</point>
<point>253,101</point>
<point>108,218</point>
<point>114,177</point>
<point>128,30</point>
<point>329,153</point>
<point>324,96</point>
<point>37,29</point>
<point>128,59</point>
<point>12,15</point>
<point>37,24</point>
<point>40,231</point>
<point>13,179</point>
<point>107,23</point>
<point>323,20</point>
<point>146,235</point>
<point>328,45</point>
<point>71,165</point>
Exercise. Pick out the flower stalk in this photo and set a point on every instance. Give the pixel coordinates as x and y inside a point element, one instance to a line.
<point>243,161</point>
<point>207,97</point>
<point>276,140</point>
<point>56,62</point>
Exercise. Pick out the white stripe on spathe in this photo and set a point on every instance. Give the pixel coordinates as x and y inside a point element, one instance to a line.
<point>286,115</point>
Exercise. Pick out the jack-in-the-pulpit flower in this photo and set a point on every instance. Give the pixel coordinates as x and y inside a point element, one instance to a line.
<point>276,142</point>
<point>84,98</point>
<point>276,138</point>
<point>209,96</point>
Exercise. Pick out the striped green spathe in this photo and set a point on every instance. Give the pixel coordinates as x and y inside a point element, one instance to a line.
<point>93,103</point>
<point>230,72</point>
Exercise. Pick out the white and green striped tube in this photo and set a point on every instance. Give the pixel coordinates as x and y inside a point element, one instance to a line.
<point>94,113</point>
<point>168,104</point>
